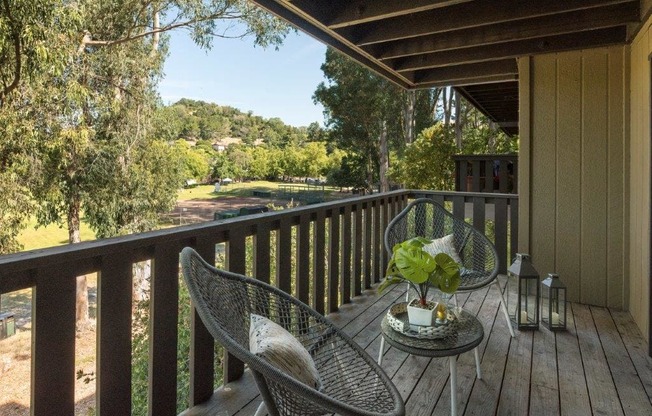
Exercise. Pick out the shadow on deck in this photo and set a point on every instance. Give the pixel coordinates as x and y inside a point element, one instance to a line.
<point>598,366</point>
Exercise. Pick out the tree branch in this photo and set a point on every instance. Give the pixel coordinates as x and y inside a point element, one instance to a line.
<point>167,28</point>
<point>18,56</point>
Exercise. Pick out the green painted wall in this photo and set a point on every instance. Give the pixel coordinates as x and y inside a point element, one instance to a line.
<point>573,177</point>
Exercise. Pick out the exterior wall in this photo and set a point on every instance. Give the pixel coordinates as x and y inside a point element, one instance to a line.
<point>639,200</point>
<point>573,181</point>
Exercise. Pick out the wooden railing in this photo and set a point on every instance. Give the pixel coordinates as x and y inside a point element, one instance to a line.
<point>338,253</point>
<point>486,173</point>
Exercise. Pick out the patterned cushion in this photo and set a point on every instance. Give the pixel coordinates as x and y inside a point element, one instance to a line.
<point>446,245</point>
<point>272,342</point>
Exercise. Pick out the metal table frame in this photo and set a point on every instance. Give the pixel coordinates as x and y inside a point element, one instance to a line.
<point>468,336</point>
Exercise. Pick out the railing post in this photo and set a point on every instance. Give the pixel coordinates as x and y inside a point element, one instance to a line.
<point>164,335</point>
<point>202,344</point>
<point>346,256</point>
<point>357,251</point>
<point>377,244</point>
<point>303,259</point>
<point>500,217</point>
<point>114,300</point>
<point>236,262</point>
<point>53,345</point>
<point>368,220</point>
<point>319,262</point>
<point>334,261</point>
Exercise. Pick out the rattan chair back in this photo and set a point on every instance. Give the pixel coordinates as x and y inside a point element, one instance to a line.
<point>426,218</point>
<point>352,383</point>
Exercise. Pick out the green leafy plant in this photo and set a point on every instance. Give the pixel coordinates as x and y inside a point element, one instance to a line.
<point>411,264</point>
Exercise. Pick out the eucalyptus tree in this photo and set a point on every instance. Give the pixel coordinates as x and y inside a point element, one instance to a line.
<point>363,111</point>
<point>89,70</point>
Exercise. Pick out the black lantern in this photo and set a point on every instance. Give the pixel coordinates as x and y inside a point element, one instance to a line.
<point>523,293</point>
<point>553,303</point>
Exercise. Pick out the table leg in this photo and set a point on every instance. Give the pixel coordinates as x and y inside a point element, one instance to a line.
<point>477,363</point>
<point>382,348</point>
<point>453,365</point>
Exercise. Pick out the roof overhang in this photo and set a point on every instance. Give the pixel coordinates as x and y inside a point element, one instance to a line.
<point>461,43</point>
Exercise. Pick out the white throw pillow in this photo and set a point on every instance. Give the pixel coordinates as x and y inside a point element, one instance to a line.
<point>446,245</point>
<point>272,342</point>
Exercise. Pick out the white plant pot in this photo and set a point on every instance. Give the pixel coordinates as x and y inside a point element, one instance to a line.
<point>417,315</point>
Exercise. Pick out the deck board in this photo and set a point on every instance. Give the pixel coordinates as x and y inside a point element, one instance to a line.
<point>599,366</point>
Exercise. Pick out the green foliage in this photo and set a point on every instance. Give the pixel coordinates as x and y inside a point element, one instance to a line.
<point>427,163</point>
<point>350,173</point>
<point>195,162</point>
<point>411,264</point>
<point>358,105</point>
<point>482,139</point>
<point>15,209</point>
<point>129,196</point>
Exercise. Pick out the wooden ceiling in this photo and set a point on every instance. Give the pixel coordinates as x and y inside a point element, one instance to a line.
<point>461,43</point>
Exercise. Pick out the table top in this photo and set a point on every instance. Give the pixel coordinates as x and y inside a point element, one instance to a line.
<point>469,334</point>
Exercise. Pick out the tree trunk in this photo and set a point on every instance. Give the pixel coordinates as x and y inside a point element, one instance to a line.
<point>82,317</point>
<point>142,276</point>
<point>408,117</point>
<point>436,92</point>
<point>447,100</point>
<point>384,158</point>
<point>458,120</point>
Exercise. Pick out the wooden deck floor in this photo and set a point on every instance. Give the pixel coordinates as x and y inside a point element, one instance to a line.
<point>598,367</point>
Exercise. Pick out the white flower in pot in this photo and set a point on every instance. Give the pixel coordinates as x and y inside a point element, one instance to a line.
<point>411,264</point>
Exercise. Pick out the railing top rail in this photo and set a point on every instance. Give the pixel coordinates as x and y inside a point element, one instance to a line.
<point>511,156</point>
<point>89,249</point>
<point>468,196</point>
<point>140,246</point>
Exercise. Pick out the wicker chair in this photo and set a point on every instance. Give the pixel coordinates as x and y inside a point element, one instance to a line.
<point>425,218</point>
<point>352,383</point>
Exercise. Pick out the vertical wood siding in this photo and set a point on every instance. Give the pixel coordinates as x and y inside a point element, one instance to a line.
<point>576,154</point>
<point>639,183</point>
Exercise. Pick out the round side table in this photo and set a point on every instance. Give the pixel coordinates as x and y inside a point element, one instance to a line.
<point>468,336</point>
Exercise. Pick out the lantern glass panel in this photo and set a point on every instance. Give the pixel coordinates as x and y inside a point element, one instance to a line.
<point>553,303</point>
<point>529,303</point>
<point>523,293</point>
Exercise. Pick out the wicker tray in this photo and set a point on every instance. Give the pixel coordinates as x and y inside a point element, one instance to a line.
<point>397,317</point>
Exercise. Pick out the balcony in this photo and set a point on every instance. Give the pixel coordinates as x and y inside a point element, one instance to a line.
<point>330,256</point>
<point>486,173</point>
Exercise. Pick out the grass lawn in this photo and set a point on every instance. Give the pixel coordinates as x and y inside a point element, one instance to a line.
<point>34,238</point>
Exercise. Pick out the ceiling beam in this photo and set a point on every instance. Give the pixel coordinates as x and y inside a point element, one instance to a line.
<point>548,44</point>
<point>489,79</point>
<point>343,13</point>
<point>505,118</point>
<point>313,28</point>
<point>465,16</point>
<point>506,67</point>
<point>505,32</point>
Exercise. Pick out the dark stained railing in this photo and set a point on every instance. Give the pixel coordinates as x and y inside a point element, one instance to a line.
<point>338,252</point>
<point>486,173</point>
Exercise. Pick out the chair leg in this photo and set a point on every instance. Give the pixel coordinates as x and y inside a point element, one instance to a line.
<point>453,368</point>
<point>262,410</point>
<point>382,349</point>
<point>478,371</point>
<point>503,306</point>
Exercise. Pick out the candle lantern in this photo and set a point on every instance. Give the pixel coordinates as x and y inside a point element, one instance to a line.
<point>523,293</point>
<point>553,303</point>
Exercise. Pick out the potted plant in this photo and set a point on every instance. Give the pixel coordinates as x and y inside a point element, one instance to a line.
<point>422,271</point>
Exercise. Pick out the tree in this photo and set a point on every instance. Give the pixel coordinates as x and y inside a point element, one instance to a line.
<point>363,111</point>
<point>89,69</point>
<point>260,162</point>
<point>427,163</point>
<point>313,159</point>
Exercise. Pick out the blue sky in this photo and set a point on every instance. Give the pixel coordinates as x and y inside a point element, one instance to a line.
<point>268,82</point>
